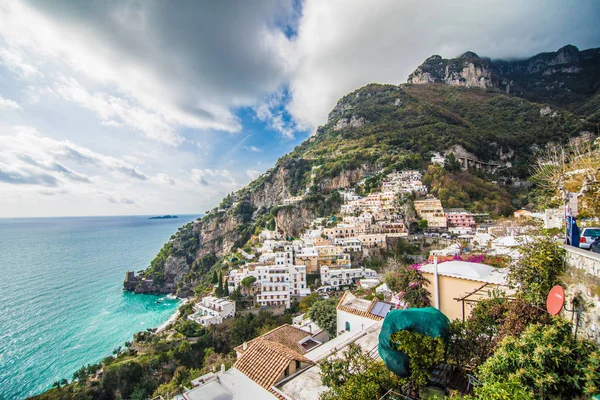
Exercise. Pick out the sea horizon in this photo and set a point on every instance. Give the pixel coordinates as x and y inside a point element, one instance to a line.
<point>61,299</point>
<point>179,216</point>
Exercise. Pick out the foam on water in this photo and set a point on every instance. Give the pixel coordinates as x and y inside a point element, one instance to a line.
<point>61,299</point>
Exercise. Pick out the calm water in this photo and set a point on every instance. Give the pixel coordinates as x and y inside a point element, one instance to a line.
<point>61,298</point>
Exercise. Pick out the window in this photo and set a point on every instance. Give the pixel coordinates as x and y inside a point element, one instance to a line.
<point>348,326</point>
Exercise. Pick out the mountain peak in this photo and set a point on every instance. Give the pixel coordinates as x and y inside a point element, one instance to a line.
<point>469,55</point>
<point>564,75</point>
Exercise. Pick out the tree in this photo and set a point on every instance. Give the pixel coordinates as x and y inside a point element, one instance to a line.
<point>186,356</point>
<point>324,314</point>
<point>547,361</point>
<point>538,270</point>
<point>236,296</point>
<point>219,291</point>
<point>424,353</point>
<point>215,278</point>
<point>307,302</point>
<point>576,169</point>
<point>226,289</point>
<point>410,283</point>
<point>422,224</point>
<point>356,376</point>
<point>452,164</point>
<point>402,249</point>
<point>248,281</point>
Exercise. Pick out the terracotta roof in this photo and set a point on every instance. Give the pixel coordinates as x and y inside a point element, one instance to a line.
<point>265,362</point>
<point>287,335</point>
<point>366,313</point>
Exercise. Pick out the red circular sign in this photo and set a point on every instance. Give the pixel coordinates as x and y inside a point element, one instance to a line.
<point>555,300</point>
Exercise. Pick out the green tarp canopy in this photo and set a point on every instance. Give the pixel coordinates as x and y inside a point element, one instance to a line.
<point>426,321</point>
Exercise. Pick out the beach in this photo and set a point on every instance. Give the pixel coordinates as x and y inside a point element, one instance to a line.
<point>173,317</point>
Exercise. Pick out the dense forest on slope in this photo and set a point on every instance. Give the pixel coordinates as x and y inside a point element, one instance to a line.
<point>381,128</point>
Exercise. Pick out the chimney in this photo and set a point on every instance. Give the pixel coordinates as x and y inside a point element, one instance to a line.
<point>245,346</point>
<point>222,368</point>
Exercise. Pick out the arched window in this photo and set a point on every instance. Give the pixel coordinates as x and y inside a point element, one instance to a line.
<point>348,326</point>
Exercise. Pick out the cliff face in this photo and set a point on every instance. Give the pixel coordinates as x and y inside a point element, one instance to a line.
<point>468,70</point>
<point>567,77</point>
<point>293,220</point>
<point>274,191</point>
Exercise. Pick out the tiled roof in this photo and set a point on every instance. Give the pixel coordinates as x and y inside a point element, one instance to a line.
<point>287,335</point>
<point>367,314</point>
<point>265,362</point>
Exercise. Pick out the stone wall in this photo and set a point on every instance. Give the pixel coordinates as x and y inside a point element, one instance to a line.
<point>583,277</point>
<point>583,259</point>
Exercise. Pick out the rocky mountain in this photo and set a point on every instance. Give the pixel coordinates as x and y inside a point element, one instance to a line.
<point>499,112</point>
<point>568,78</point>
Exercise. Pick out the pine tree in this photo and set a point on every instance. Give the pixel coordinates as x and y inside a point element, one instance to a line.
<point>226,289</point>
<point>215,279</point>
<point>219,291</point>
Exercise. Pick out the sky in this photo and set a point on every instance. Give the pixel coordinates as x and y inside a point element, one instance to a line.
<point>163,107</point>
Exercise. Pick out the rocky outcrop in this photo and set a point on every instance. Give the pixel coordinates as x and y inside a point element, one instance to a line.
<point>565,75</point>
<point>294,219</point>
<point>468,70</point>
<point>353,122</point>
<point>218,235</point>
<point>345,179</point>
<point>274,191</point>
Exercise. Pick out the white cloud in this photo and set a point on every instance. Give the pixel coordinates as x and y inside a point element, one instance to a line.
<point>253,148</point>
<point>27,158</point>
<point>271,111</point>
<point>209,176</point>
<point>163,179</point>
<point>118,112</point>
<point>252,173</point>
<point>163,69</point>
<point>13,60</point>
<point>6,104</point>
<point>344,44</point>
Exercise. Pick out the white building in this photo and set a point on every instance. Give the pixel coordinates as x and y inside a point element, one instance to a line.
<point>439,159</point>
<point>349,195</point>
<point>230,385</point>
<point>354,314</point>
<point>336,277</point>
<point>278,283</point>
<point>284,255</point>
<point>307,325</point>
<point>212,310</point>
<point>349,245</point>
<point>554,218</point>
<point>266,234</point>
<point>292,200</point>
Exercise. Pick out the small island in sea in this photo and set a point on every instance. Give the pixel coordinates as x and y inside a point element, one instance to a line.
<point>164,217</point>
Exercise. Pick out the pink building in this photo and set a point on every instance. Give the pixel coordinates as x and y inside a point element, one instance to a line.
<point>460,218</point>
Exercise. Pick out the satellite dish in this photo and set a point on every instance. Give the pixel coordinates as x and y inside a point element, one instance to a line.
<point>555,300</point>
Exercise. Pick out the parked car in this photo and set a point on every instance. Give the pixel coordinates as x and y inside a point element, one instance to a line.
<point>588,235</point>
<point>595,246</point>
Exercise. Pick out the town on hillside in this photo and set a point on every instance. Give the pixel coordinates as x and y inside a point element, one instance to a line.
<point>456,260</point>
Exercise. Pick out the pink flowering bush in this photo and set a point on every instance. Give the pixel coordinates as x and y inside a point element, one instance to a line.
<point>410,284</point>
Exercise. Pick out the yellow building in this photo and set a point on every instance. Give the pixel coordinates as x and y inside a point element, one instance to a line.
<point>431,210</point>
<point>456,280</point>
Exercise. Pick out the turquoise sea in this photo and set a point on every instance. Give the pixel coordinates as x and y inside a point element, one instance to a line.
<point>61,299</point>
